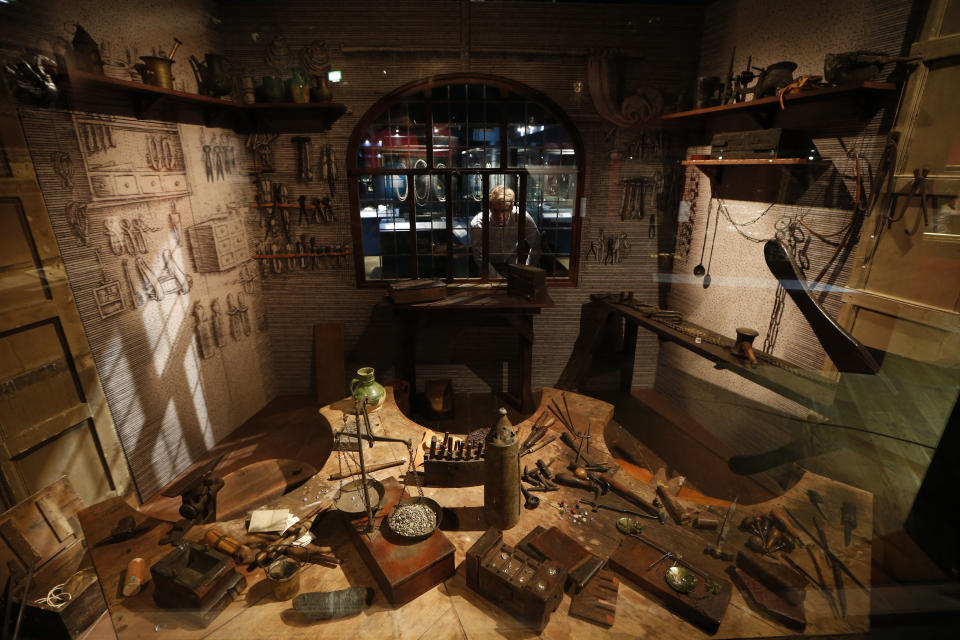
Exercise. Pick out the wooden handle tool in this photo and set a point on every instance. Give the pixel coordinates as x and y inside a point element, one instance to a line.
<point>135,577</point>
<point>634,497</point>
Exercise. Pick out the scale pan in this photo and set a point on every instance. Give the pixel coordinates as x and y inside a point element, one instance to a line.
<point>350,499</point>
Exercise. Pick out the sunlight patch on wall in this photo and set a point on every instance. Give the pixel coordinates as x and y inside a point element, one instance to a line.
<point>191,369</point>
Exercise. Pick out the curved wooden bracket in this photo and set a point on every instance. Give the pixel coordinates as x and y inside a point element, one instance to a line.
<point>636,110</point>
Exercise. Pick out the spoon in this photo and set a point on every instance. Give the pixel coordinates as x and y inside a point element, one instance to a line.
<point>713,242</point>
<point>699,270</point>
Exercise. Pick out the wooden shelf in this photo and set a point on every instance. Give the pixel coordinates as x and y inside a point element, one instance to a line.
<point>97,93</point>
<point>808,388</point>
<point>755,161</point>
<point>802,108</point>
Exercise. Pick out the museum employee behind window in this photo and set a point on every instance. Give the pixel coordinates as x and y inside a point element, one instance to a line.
<point>503,233</point>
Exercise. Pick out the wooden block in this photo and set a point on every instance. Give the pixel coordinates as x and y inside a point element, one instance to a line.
<point>526,282</point>
<point>597,602</point>
<point>559,547</point>
<point>476,553</point>
<point>413,291</point>
<point>792,615</point>
<point>780,579</point>
<point>403,569</point>
<point>632,560</point>
<point>54,517</point>
<point>28,555</point>
<point>329,369</point>
<point>33,535</point>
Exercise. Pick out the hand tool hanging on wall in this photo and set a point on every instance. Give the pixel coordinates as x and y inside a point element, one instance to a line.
<point>173,271</point>
<point>236,324</point>
<point>151,285</point>
<point>328,169</point>
<point>216,324</point>
<point>322,211</point>
<point>304,161</point>
<point>304,215</point>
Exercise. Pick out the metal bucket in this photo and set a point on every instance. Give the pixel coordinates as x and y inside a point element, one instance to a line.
<point>284,575</point>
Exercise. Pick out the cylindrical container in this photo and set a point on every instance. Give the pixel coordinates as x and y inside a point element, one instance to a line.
<point>271,90</point>
<point>284,574</point>
<point>246,87</point>
<point>157,71</point>
<point>366,389</point>
<point>135,578</point>
<point>501,487</point>
<point>297,88</point>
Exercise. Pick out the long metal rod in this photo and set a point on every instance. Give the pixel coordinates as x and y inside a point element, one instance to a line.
<point>23,601</point>
<point>363,468</point>
<point>830,556</point>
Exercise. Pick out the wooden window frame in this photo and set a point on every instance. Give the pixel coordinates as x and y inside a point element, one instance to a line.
<point>447,174</point>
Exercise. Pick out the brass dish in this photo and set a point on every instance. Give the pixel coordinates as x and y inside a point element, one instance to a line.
<point>681,579</point>
<point>350,499</point>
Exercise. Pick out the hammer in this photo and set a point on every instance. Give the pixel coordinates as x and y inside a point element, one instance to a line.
<point>532,501</point>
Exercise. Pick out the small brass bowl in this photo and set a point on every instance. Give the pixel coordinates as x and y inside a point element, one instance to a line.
<point>350,498</point>
<point>681,579</point>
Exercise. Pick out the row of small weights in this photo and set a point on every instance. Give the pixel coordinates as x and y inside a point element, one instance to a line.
<point>451,449</point>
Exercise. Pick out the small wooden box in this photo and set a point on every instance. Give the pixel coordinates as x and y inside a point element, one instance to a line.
<point>403,569</point>
<point>762,143</point>
<point>528,588</point>
<point>526,282</point>
<point>413,291</point>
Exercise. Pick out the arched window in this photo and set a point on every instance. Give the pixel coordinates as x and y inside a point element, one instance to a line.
<point>432,151</point>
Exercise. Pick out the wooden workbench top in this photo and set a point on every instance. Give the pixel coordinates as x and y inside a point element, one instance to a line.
<point>451,609</point>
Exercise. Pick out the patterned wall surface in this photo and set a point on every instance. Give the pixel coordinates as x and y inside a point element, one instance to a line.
<point>182,352</point>
<point>382,45</point>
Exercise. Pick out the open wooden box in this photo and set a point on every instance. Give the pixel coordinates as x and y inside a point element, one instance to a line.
<point>43,532</point>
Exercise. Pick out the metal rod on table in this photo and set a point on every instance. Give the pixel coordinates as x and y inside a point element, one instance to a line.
<point>23,601</point>
<point>830,555</point>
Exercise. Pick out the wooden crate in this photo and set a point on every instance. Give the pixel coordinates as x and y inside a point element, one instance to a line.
<point>43,531</point>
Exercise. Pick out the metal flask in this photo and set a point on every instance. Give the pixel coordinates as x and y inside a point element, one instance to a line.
<point>501,487</point>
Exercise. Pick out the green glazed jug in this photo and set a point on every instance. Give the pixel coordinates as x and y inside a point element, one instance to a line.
<point>365,388</point>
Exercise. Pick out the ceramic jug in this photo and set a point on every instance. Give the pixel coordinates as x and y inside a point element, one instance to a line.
<point>364,388</point>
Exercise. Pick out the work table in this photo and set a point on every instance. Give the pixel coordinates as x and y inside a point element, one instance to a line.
<point>452,609</point>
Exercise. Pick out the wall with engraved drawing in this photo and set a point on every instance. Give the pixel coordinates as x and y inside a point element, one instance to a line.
<point>173,313</point>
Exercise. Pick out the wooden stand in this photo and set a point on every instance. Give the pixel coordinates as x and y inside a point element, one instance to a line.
<point>632,561</point>
<point>403,569</point>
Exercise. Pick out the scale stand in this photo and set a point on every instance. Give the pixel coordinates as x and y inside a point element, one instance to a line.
<point>361,410</point>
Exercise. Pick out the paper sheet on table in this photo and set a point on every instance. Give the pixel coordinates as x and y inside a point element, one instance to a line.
<point>268,520</point>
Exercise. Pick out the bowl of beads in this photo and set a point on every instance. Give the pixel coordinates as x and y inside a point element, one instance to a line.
<point>414,518</point>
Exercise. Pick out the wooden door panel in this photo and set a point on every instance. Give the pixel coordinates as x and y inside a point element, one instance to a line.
<point>53,417</point>
<point>22,279</point>
<point>938,111</point>
<point>904,337</point>
<point>75,448</point>
<point>37,379</point>
<point>921,268</point>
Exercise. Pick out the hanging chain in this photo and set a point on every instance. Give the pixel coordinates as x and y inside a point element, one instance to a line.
<point>685,230</point>
<point>411,470</point>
